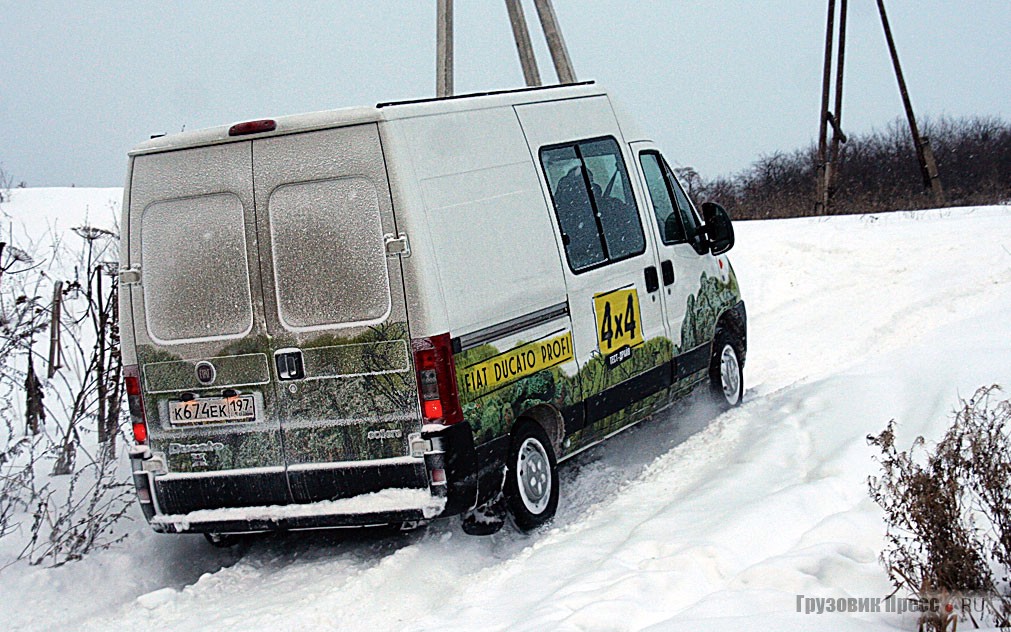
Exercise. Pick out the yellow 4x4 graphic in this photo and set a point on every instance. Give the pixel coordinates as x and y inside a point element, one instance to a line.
<point>618,324</point>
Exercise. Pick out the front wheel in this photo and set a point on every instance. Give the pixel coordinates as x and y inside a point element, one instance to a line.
<point>726,375</point>
<point>531,486</point>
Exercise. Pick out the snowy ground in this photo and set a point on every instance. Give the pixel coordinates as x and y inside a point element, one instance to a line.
<point>687,522</point>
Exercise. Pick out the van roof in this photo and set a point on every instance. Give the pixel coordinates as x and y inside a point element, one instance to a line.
<point>364,114</point>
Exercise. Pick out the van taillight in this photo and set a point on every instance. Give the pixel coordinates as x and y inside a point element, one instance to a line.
<point>433,361</point>
<point>131,376</point>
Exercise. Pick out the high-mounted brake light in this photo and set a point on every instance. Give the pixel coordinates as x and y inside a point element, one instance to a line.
<point>433,362</point>
<point>135,399</point>
<point>252,127</point>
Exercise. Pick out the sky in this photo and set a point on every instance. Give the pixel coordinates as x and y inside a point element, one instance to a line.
<point>719,83</point>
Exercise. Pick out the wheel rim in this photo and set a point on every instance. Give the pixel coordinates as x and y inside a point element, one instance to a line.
<point>533,473</point>
<point>730,375</point>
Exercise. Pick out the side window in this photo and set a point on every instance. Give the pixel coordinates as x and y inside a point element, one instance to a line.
<point>668,218</point>
<point>692,224</point>
<point>576,216</point>
<point>593,200</point>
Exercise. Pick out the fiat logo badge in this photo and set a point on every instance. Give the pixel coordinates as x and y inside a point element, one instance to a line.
<point>206,373</point>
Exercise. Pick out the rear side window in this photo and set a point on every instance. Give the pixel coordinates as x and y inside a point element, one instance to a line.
<point>196,282</point>
<point>329,254</point>
<point>593,201</point>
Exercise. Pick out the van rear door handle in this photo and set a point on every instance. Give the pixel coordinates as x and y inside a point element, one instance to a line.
<point>667,268</point>
<point>289,364</point>
<point>652,280</point>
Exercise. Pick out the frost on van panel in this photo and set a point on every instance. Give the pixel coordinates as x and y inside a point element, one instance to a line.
<point>193,261</point>
<point>220,447</point>
<point>329,255</point>
<point>181,375</point>
<point>356,359</point>
<point>336,419</point>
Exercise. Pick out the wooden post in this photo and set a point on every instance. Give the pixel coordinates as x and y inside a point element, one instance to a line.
<point>821,202</point>
<point>925,156</point>
<point>54,331</point>
<point>444,49</point>
<point>832,169</point>
<point>104,436</point>
<point>521,34</point>
<point>553,35</point>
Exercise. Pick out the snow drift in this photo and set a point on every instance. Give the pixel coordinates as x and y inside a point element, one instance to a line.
<point>689,521</point>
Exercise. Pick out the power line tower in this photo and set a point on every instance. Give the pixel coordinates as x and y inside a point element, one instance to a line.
<point>828,157</point>
<point>531,75</point>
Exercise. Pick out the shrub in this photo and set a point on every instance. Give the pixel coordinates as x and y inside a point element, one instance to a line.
<point>877,171</point>
<point>64,420</point>
<point>948,512</point>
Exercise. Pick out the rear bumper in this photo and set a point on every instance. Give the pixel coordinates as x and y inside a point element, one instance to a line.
<point>321,495</point>
<point>386,507</point>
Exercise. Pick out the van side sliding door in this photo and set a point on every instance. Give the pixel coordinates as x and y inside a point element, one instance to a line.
<point>611,270</point>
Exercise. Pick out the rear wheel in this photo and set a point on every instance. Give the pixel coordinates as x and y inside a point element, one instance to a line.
<point>531,486</point>
<point>726,375</point>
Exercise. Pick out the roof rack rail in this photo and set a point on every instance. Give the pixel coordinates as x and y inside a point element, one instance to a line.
<point>484,94</point>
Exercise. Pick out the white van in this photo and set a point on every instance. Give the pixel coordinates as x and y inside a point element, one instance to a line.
<point>382,315</point>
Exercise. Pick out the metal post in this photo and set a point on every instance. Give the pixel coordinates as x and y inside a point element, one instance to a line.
<point>821,202</point>
<point>553,35</point>
<point>444,49</point>
<point>521,34</point>
<point>925,156</point>
<point>832,170</point>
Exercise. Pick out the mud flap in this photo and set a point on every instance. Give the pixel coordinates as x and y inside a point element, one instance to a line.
<point>460,462</point>
<point>486,519</point>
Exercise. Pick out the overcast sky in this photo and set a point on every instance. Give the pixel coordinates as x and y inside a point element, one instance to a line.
<point>719,83</point>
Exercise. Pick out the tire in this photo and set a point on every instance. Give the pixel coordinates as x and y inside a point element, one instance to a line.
<point>531,486</point>
<point>726,374</point>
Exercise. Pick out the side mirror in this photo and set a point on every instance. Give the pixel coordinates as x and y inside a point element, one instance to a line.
<point>719,230</point>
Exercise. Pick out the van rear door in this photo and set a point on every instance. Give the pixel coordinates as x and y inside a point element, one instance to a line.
<point>335,310</point>
<point>199,328</point>
<point>271,325</point>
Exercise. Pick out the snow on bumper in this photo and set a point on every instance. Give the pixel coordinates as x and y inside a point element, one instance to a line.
<point>383,507</point>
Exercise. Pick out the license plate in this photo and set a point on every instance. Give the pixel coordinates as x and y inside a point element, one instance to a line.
<point>213,410</point>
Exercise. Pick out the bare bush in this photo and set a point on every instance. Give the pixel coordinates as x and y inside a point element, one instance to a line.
<point>947,512</point>
<point>69,524</point>
<point>877,172</point>
<point>72,414</point>
<point>22,318</point>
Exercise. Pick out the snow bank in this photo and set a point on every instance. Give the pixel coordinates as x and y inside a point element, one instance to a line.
<point>689,522</point>
<point>39,220</point>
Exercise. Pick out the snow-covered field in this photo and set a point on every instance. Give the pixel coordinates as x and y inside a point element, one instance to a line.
<point>687,522</point>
